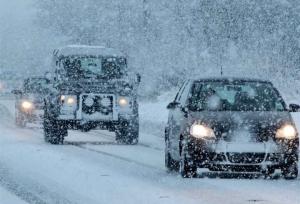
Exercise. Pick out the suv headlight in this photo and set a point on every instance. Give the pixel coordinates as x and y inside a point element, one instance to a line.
<point>124,102</point>
<point>286,132</point>
<point>202,132</point>
<point>68,100</point>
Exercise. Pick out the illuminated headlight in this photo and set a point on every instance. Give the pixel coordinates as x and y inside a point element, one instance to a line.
<point>27,105</point>
<point>286,132</point>
<point>68,100</point>
<point>201,131</point>
<point>123,102</point>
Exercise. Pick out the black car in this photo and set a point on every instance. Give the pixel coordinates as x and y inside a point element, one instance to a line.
<point>29,105</point>
<point>231,125</point>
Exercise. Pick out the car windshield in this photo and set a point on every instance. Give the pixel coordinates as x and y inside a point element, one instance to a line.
<point>91,67</point>
<point>36,86</point>
<point>236,96</point>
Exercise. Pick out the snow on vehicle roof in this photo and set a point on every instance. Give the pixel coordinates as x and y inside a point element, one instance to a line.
<point>232,79</point>
<point>73,50</point>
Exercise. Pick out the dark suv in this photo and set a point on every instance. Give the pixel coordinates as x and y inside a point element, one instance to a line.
<point>92,89</point>
<point>231,125</point>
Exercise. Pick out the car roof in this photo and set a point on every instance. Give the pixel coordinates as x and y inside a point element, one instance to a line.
<point>231,80</point>
<point>74,50</point>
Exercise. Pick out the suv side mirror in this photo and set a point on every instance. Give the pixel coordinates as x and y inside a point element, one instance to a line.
<point>16,92</point>
<point>172,105</point>
<point>294,108</point>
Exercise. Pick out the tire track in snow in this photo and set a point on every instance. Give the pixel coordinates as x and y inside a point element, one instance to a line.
<point>115,156</point>
<point>28,190</point>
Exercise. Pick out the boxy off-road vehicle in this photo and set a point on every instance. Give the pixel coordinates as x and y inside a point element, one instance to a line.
<point>92,89</point>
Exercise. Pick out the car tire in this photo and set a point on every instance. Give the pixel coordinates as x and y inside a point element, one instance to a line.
<point>54,131</point>
<point>170,164</point>
<point>20,120</point>
<point>188,168</point>
<point>290,171</point>
<point>127,133</point>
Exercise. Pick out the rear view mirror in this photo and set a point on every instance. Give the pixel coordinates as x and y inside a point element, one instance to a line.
<point>172,105</point>
<point>294,108</point>
<point>16,92</point>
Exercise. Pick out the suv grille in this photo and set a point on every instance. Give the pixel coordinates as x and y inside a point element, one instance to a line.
<point>99,105</point>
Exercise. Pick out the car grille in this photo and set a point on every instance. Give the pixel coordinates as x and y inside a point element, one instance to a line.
<point>246,158</point>
<point>102,105</point>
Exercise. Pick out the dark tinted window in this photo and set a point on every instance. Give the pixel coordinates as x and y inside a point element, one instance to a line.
<point>86,67</point>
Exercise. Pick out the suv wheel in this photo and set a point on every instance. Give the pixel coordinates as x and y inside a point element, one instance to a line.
<point>188,168</point>
<point>127,133</point>
<point>54,131</point>
<point>290,171</point>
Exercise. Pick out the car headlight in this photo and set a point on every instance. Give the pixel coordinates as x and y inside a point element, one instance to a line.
<point>123,102</point>
<point>27,105</point>
<point>201,131</point>
<point>68,100</point>
<point>286,132</point>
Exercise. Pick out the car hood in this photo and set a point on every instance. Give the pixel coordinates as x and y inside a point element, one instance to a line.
<point>242,126</point>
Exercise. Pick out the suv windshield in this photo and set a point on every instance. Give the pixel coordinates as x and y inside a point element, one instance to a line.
<point>36,85</point>
<point>90,67</point>
<point>236,96</point>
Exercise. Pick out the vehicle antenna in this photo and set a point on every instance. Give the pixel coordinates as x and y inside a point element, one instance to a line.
<point>221,70</point>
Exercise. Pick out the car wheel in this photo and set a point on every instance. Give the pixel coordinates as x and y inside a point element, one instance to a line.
<point>290,171</point>
<point>188,168</point>
<point>20,120</point>
<point>127,133</point>
<point>170,163</point>
<point>54,131</point>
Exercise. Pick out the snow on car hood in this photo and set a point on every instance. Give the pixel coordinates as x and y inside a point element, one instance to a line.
<point>242,126</point>
<point>97,86</point>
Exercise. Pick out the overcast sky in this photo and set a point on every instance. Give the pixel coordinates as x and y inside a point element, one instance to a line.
<point>15,31</point>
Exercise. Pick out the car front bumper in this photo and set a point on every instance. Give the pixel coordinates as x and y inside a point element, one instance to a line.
<point>245,157</point>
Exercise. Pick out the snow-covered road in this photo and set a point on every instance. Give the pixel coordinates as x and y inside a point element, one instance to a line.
<point>91,168</point>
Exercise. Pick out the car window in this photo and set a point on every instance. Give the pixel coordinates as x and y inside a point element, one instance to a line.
<point>177,97</point>
<point>241,96</point>
<point>184,94</point>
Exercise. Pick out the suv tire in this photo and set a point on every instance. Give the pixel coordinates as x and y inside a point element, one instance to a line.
<point>54,131</point>
<point>127,133</point>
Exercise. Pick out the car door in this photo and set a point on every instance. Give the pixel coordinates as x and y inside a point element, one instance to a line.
<point>176,119</point>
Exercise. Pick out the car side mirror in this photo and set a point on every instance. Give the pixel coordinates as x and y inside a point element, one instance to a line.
<point>138,78</point>
<point>16,92</point>
<point>172,105</point>
<point>294,108</point>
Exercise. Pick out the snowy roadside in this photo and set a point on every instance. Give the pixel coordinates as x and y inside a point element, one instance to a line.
<point>154,114</point>
<point>8,198</point>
